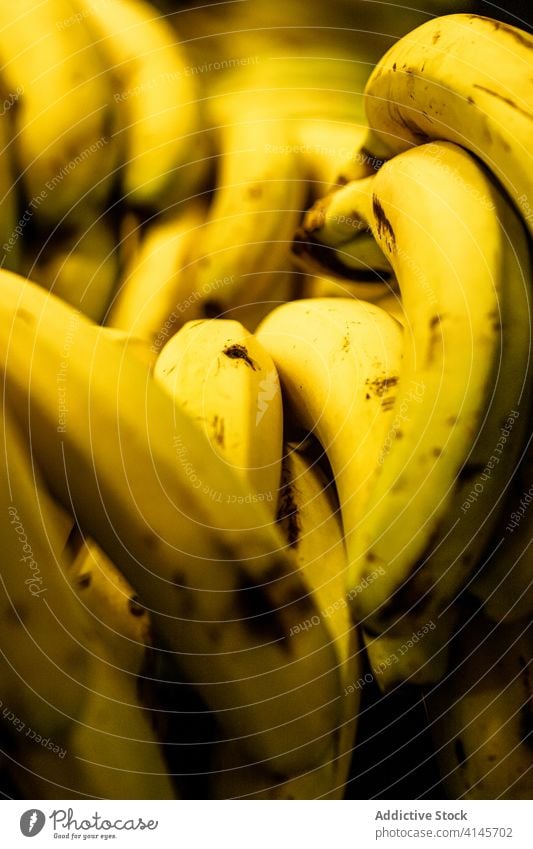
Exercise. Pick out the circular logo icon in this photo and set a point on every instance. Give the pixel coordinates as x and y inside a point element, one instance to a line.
<point>32,822</point>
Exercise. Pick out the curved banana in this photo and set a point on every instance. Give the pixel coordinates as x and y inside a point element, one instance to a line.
<point>461,259</point>
<point>339,362</point>
<point>65,117</point>
<point>480,714</point>
<point>154,297</point>
<point>164,157</point>
<point>221,592</point>
<point>309,518</point>
<point>218,373</point>
<point>466,79</point>
<point>260,196</point>
<point>80,266</point>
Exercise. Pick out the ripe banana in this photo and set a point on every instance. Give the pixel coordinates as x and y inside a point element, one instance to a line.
<point>79,265</point>
<point>223,379</point>
<point>309,517</point>
<point>221,592</point>
<point>464,78</point>
<point>154,298</point>
<point>157,95</point>
<point>339,362</point>
<point>480,714</point>
<point>64,118</point>
<point>435,213</point>
<point>246,239</point>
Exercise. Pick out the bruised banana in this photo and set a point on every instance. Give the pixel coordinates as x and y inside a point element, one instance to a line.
<point>480,714</point>
<point>435,213</point>
<point>466,79</point>
<point>164,154</point>
<point>64,119</point>
<point>154,297</point>
<point>80,266</point>
<point>339,362</point>
<point>218,373</point>
<point>246,239</point>
<point>220,591</point>
<point>308,514</point>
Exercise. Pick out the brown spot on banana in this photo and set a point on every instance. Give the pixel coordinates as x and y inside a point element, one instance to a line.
<point>522,38</point>
<point>288,515</point>
<point>239,352</point>
<point>383,225</point>
<point>509,101</point>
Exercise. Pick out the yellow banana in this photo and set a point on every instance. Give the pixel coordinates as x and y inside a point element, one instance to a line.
<point>480,714</point>
<point>221,592</point>
<point>221,376</point>
<point>158,99</point>
<point>65,120</point>
<point>246,239</point>
<point>339,362</point>
<point>154,298</point>
<point>309,517</point>
<point>460,257</point>
<point>467,79</point>
<point>80,266</point>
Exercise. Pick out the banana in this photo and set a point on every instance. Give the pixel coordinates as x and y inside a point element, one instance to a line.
<point>220,375</point>
<point>504,583</point>
<point>9,235</point>
<point>339,362</point>
<point>435,213</point>
<point>154,298</point>
<point>165,155</point>
<point>392,303</point>
<point>309,516</point>
<point>466,79</point>
<point>260,196</point>
<point>194,564</point>
<point>284,287</point>
<point>64,120</point>
<point>480,714</point>
<point>331,150</point>
<point>79,265</point>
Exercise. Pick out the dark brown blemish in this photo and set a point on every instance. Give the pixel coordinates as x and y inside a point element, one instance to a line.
<point>288,514</point>
<point>435,337</point>
<point>384,227</point>
<point>394,66</point>
<point>469,471</point>
<point>218,427</point>
<point>262,617</point>
<point>381,385</point>
<point>388,403</point>
<point>84,581</point>
<point>522,38</point>
<point>508,100</point>
<point>135,607</point>
<point>370,557</point>
<point>254,192</point>
<point>239,352</point>
<point>346,344</point>
<point>436,37</point>
<point>437,452</point>
<point>460,753</point>
<point>212,309</point>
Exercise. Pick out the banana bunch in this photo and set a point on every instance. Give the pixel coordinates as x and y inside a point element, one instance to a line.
<point>458,351</point>
<point>265,334</point>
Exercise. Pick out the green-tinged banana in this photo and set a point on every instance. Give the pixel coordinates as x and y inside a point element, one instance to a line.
<point>154,298</point>
<point>165,156</point>
<point>143,482</point>
<point>461,259</point>
<point>259,201</point>
<point>467,79</point>
<point>505,580</point>
<point>64,120</point>
<point>218,373</point>
<point>78,265</point>
<point>309,516</point>
<point>480,715</point>
<point>339,362</point>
